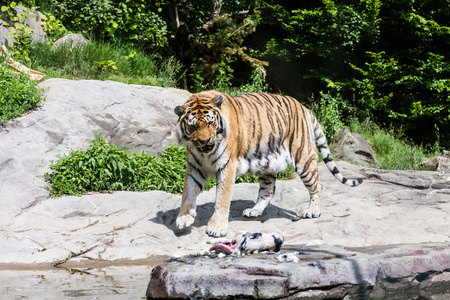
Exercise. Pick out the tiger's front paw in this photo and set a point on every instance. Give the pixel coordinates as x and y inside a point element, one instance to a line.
<point>251,213</point>
<point>309,213</point>
<point>185,221</point>
<point>216,230</point>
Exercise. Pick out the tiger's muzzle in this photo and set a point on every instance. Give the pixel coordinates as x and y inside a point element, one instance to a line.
<point>206,146</point>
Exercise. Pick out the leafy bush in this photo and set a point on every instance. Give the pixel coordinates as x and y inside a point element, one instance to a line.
<point>327,112</point>
<point>107,167</point>
<point>413,95</point>
<point>132,21</point>
<point>256,83</point>
<point>19,93</point>
<point>54,29</point>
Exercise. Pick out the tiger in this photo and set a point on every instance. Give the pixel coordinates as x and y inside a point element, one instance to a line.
<point>434,161</point>
<point>257,133</point>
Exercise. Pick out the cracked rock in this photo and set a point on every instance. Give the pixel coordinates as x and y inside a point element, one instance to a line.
<point>324,272</point>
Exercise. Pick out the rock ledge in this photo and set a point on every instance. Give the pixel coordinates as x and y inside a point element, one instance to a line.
<point>322,272</point>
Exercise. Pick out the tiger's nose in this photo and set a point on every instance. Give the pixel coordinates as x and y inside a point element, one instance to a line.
<point>204,141</point>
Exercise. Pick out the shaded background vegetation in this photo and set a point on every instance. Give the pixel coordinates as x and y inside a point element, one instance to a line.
<point>387,60</point>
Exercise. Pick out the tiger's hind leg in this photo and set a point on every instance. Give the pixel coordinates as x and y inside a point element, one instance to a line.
<point>309,174</point>
<point>266,192</point>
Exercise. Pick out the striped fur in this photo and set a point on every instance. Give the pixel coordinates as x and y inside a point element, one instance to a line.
<point>256,133</point>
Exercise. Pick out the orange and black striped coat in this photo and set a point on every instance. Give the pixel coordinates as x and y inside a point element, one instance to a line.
<point>256,133</point>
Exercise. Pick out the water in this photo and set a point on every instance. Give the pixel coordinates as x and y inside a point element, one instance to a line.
<point>128,282</point>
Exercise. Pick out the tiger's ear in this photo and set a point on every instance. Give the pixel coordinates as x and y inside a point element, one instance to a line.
<point>218,100</point>
<point>179,110</point>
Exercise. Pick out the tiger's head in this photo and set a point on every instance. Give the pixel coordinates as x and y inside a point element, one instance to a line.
<point>200,122</point>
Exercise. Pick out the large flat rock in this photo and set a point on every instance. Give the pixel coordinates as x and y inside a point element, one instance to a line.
<point>322,272</point>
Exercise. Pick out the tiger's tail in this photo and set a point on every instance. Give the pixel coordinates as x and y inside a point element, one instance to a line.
<point>322,145</point>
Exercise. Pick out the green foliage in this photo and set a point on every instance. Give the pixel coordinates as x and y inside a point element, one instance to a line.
<point>415,98</point>
<point>105,61</point>
<point>381,72</point>
<point>21,32</point>
<point>224,82</point>
<point>224,75</point>
<point>107,167</point>
<point>104,65</point>
<point>54,28</point>
<point>392,149</point>
<point>327,30</point>
<point>389,58</point>
<point>257,83</point>
<point>133,21</point>
<point>209,36</point>
<point>19,93</point>
<point>328,113</point>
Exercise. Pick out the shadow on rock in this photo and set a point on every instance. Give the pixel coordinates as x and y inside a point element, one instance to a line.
<point>204,213</point>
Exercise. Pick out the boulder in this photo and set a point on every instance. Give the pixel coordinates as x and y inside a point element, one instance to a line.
<point>34,23</point>
<point>354,148</point>
<point>72,39</point>
<point>443,164</point>
<point>3,32</point>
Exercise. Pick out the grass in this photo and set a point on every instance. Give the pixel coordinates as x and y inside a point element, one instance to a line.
<point>392,150</point>
<point>18,94</point>
<point>115,61</point>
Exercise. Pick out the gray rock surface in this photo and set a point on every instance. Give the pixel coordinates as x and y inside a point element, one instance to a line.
<point>321,273</point>
<point>3,32</point>
<point>443,164</point>
<point>98,229</point>
<point>73,113</point>
<point>71,39</point>
<point>439,163</point>
<point>354,148</point>
<point>33,23</point>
